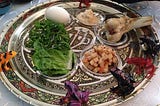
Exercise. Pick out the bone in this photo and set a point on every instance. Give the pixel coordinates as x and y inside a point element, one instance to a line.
<point>116,27</point>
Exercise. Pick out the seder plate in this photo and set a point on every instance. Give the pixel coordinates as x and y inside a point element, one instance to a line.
<point>38,89</point>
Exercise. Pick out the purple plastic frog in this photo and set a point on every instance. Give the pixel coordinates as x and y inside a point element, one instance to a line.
<point>74,96</point>
<point>125,82</point>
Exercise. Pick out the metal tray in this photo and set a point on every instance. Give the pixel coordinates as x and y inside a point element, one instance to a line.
<point>35,89</point>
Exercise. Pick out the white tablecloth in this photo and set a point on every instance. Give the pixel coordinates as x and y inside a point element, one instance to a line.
<point>149,97</point>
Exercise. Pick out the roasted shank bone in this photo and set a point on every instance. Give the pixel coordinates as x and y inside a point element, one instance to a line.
<point>116,27</point>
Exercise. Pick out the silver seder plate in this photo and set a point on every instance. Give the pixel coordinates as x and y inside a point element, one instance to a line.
<point>37,89</point>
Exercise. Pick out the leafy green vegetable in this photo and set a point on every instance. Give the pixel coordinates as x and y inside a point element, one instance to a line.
<point>50,34</point>
<point>52,55</point>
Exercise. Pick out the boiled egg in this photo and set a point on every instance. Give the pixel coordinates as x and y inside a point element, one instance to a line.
<point>57,14</point>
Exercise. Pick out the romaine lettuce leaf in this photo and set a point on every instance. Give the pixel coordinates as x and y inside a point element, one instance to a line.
<point>52,61</point>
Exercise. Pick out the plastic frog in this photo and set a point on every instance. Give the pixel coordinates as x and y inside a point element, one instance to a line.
<point>125,82</point>
<point>74,96</point>
<point>4,60</point>
<point>85,2</point>
<point>149,46</point>
<point>142,64</point>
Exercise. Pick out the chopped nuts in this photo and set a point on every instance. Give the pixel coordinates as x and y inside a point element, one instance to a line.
<point>99,58</point>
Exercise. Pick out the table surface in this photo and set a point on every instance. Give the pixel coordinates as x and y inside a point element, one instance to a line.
<point>150,96</point>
